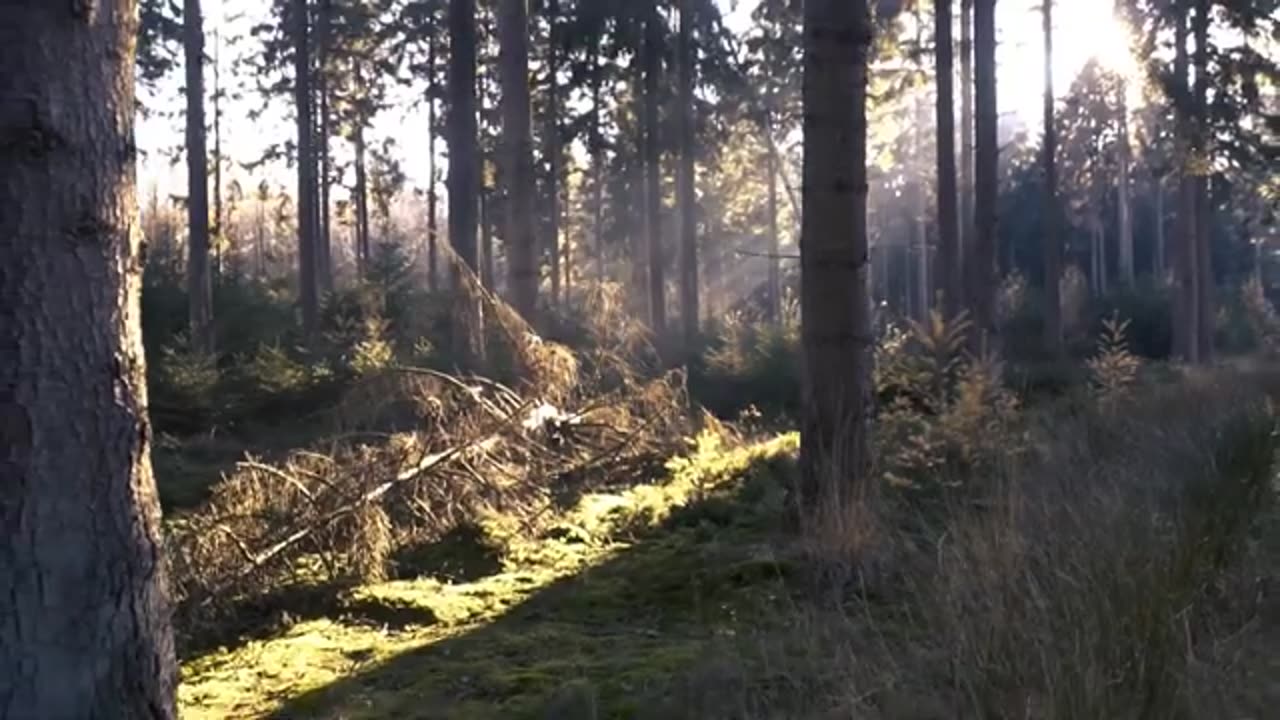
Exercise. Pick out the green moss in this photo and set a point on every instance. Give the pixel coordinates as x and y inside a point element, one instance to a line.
<point>624,592</point>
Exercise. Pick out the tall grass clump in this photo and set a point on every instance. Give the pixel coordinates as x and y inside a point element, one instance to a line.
<point>1084,587</point>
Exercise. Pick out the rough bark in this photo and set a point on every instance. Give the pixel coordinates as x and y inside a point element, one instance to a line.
<point>199,281</point>
<point>308,290</point>
<point>652,63</point>
<point>84,611</point>
<point>948,224</point>
<point>463,169</point>
<point>836,332</point>
<point>689,313</point>
<point>520,233</point>
<point>982,280</point>
<point>1052,211</point>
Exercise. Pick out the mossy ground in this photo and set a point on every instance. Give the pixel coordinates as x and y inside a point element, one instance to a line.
<point>595,617</point>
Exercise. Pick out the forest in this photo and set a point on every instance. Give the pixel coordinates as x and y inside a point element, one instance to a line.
<point>605,359</point>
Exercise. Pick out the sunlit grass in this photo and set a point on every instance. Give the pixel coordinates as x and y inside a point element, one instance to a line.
<point>640,607</point>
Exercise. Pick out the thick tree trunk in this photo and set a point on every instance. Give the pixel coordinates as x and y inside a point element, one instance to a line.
<point>1051,212</point>
<point>308,291</point>
<point>1124,215</point>
<point>982,280</point>
<point>833,250</point>
<point>1204,259</point>
<point>652,62</point>
<point>463,172</point>
<point>966,141</point>
<point>362,204</point>
<point>199,282</point>
<point>520,233</point>
<point>553,152</point>
<point>84,611</point>
<point>948,271</point>
<point>688,199</point>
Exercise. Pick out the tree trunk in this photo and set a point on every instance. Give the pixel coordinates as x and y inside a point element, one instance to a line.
<point>362,203</point>
<point>463,167</point>
<point>1051,212</point>
<point>433,182</point>
<point>966,142</point>
<point>948,223</point>
<point>324,245</point>
<point>84,609</point>
<point>1186,307</point>
<point>652,62</point>
<point>835,315</point>
<point>1159,260</point>
<point>219,220</point>
<point>688,199</point>
<point>774,307</point>
<point>308,293</point>
<point>982,280</point>
<point>199,282</point>
<point>487,260</point>
<point>553,152</point>
<point>597,158</point>
<point>520,233</point>
<point>1124,215</point>
<point>1204,259</point>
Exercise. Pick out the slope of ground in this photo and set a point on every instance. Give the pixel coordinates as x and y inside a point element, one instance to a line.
<point>626,591</point>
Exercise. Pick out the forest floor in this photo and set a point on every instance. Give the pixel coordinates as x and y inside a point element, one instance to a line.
<point>628,591</point>
<point>689,597</point>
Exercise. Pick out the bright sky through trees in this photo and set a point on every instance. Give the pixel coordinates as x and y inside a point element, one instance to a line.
<point>1084,29</point>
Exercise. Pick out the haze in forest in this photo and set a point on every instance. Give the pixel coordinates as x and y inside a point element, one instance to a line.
<point>653,359</point>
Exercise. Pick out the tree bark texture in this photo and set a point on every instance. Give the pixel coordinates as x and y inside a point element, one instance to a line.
<point>1204,259</point>
<point>689,313</point>
<point>520,232</point>
<point>1052,211</point>
<point>84,612</point>
<point>836,320</point>
<point>948,271</point>
<point>652,63</point>
<point>1186,308</point>
<point>308,290</point>
<point>199,280</point>
<point>982,280</point>
<point>966,139</point>
<point>1124,214</point>
<point>559,282</point>
<point>464,169</point>
<point>362,203</point>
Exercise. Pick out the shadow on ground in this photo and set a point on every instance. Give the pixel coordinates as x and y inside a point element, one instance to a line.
<point>614,640</point>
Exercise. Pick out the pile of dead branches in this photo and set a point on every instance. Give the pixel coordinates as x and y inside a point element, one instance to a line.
<point>339,510</point>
